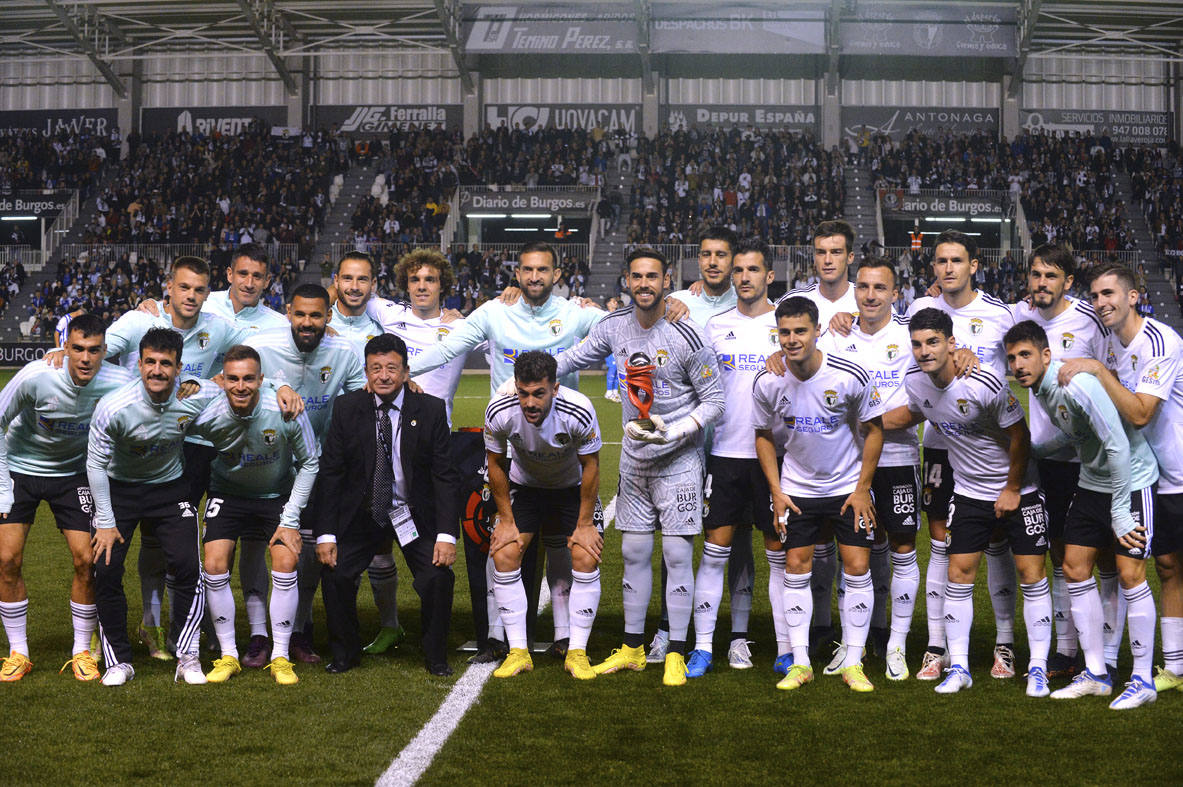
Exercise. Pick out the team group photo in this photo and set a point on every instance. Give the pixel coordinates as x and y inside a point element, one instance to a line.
<point>464,412</point>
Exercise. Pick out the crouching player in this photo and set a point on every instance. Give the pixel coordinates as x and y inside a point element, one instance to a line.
<point>551,487</point>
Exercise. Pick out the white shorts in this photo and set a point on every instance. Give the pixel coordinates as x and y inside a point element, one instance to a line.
<point>674,501</point>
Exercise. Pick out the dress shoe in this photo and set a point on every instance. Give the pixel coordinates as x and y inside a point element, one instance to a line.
<point>441,669</point>
<point>336,667</point>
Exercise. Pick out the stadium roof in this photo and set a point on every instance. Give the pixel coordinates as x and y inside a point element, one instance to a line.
<point>109,31</point>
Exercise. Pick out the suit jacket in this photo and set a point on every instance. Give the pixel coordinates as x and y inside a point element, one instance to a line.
<point>346,478</point>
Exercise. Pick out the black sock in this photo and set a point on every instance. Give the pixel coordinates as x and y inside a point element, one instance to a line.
<point>634,640</point>
<point>936,650</point>
<point>677,646</point>
<point>739,635</point>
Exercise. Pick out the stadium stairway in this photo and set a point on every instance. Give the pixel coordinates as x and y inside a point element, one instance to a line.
<point>605,265</point>
<point>859,206</point>
<point>1159,283</point>
<point>356,184</point>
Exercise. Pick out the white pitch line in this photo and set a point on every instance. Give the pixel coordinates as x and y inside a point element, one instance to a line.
<point>413,761</point>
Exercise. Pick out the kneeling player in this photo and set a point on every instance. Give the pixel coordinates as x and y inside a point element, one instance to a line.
<point>824,479</point>
<point>1114,500</point>
<point>252,475</point>
<point>993,489</point>
<point>551,488</point>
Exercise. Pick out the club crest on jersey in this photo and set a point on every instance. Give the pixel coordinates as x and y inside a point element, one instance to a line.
<point>325,373</point>
<point>976,326</point>
<point>663,358</point>
<point>831,398</point>
<point>442,332</point>
<point>1062,411</point>
<point>269,437</point>
<point>1134,363</point>
<point>203,340</point>
<point>562,438</point>
<point>963,406</point>
<point>555,326</point>
<point>893,351</point>
<point>773,337</point>
<point>183,421</point>
<point>1067,340</point>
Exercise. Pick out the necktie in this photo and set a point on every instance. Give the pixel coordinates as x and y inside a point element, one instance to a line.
<point>383,469</point>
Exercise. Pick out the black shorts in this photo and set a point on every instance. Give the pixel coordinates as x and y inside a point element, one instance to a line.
<point>971,523</point>
<point>545,511</point>
<point>819,513</point>
<point>736,493</point>
<point>155,504</point>
<point>233,518</point>
<point>1058,481</point>
<point>68,497</point>
<point>1090,522</point>
<point>198,461</point>
<point>895,490</point>
<point>1168,534</point>
<point>937,477</point>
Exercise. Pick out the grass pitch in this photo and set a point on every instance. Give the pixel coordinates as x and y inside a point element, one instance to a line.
<point>543,727</point>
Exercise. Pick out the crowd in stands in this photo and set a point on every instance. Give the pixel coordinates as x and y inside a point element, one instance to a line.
<point>1156,179</point>
<point>29,160</point>
<point>775,184</point>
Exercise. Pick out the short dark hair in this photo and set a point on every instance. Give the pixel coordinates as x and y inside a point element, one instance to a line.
<point>1026,331</point>
<point>1125,276</point>
<point>310,290</point>
<point>358,255</point>
<point>163,340</point>
<point>754,245</point>
<point>931,319</point>
<point>242,352</point>
<point>960,238</point>
<point>535,366</point>
<point>252,251</point>
<point>1051,254</point>
<point>386,343</point>
<point>540,246</point>
<point>646,252</point>
<point>719,232</point>
<point>190,263</point>
<point>833,227</point>
<point>795,307</point>
<point>88,325</point>
<point>880,262</point>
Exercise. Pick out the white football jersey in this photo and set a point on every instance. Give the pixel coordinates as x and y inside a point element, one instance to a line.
<point>1076,332</point>
<point>978,325</point>
<point>1151,365</point>
<point>420,334</point>
<point>544,456</point>
<point>972,413</point>
<point>821,416</point>
<point>887,357</point>
<point>742,344</point>
<point>826,308</point>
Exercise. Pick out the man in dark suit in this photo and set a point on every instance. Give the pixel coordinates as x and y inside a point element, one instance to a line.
<point>386,473</point>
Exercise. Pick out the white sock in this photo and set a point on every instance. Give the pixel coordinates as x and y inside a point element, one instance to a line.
<point>678,554</point>
<point>825,568</point>
<point>1113,607</point>
<point>85,618</point>
<point>708,593</point>
<point>496,630</point>
<point>511,603</point>
<point>307,580</point>
<point>860,598</point>
<point>383,574</point>
<point>220,599</point>
<point>558,576</point>
<point>255,579</point>
<point>1037,615</point>
<point>1088,617</point>
<point>585,602</point>
<point>1003,586</point>
<point>959,618</point>
<point>905,583</point>
<point>798,601</point>
<point>935,579</point>
<point>637,584</point>
<point>1062,608</point>
<point>150,564</point>
<point>1140,613</point>
<point>881,583</point>
<point>16,618</point>
<point>776,596</point>
<point>1172,644</point>
<point>741,576</point>
<point>285,597</point>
